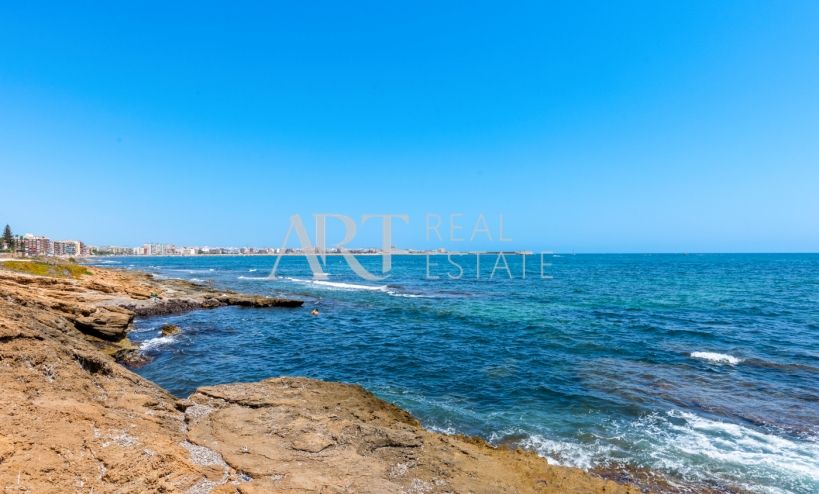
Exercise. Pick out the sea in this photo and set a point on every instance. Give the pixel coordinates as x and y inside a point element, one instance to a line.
<point>700,369</point>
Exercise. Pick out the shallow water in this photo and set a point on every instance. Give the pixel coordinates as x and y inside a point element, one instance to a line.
<point>703,367</point>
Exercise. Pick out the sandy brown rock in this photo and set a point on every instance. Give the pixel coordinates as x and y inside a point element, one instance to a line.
<point>110,322</point>
<point>72,420</point>
<point>103,304</point>
<point>301,435</point>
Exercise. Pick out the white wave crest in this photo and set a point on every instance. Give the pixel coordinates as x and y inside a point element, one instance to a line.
<point>451,431</point>
<point>695,449</point>
<point>163,277</point>
<point>157,342</point>
<point>408,295</point>
<point>340,285</point>
<point>738,454</point>
<point>564,453</point>
<point>716,357</point>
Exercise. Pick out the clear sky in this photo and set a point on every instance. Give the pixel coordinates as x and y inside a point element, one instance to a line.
<point>591,126</point>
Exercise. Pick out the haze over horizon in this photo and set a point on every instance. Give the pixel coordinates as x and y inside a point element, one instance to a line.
<point>634,127</point>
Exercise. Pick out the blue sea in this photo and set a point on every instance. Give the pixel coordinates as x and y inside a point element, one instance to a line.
<point>701,368</point>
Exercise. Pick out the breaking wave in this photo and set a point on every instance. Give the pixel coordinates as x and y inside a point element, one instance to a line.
<point>716,357</point>
<point>339,285</point>
<point>157,342</point>
<point>693,449</point>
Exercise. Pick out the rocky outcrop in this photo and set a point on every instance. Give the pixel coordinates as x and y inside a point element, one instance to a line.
<point>158,307</point>
<point>169,329</point>
<point>68,299</point>
<point>72,420</point>
<point>104,303</point>
<point>108,322</point>
<point>163,307</point>
<point>302,435</point>
<point>256,301</point>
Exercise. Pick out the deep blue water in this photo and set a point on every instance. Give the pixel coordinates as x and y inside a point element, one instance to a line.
<point>704,367</point>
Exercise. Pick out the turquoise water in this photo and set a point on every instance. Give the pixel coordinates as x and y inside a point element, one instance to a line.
<point>704,367</point>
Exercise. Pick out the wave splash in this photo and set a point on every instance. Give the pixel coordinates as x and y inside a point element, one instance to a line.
<point>340,285</point>
<point>337,285</point>
<point>157,342</point>
<point>696,450</point>
<point>716,357</point>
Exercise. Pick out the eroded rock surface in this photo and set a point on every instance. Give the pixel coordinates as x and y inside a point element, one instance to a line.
<point>302,435</point>
<point>103,304</point>
<point>72,420</point>
<point>109,322</point>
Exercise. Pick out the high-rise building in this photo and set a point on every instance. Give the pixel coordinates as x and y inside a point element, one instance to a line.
<point>113,249</point>
<point>159,249</point>
<point>68,248</point>
<point>34,245</point>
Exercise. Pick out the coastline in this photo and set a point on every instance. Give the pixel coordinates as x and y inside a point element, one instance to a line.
<point>76,419</point>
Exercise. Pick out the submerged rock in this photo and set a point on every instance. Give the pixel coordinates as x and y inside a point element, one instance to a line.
<point>163,307</point>
<point>210,303</point>
<point>194,301</point>
<point>258,301</point>
<point>169,329</point>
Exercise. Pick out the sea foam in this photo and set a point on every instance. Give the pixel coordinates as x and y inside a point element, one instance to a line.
<point>716,357</point>
<point>157,342</point>
<point>407,295</point>
<point>340,285</point>
<point>733,455</point>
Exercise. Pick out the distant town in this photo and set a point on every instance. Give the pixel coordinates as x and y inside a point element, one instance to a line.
<point>30,245</point>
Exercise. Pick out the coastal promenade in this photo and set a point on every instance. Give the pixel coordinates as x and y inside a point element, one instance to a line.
<point>73,419</point>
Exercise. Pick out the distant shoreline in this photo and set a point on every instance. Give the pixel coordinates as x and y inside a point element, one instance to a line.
<point>302,254</point>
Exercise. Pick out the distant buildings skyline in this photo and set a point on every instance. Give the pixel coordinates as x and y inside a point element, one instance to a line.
<point>38,245</point>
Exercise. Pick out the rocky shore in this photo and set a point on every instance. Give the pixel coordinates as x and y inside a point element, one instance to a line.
<point>72,419</point>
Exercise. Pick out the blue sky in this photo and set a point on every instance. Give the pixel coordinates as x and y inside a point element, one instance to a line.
<point>591,126</point>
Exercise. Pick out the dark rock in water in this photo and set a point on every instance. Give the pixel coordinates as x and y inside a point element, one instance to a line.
<point>177,305</point>
<point>249,301</point>
<point>169,329</point>
<point>210,303</point>
<point>258,301</point>
<point>132,358</point>
<point>164,307</point>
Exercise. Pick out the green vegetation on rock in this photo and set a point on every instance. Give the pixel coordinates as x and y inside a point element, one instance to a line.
<point>46,269</point>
